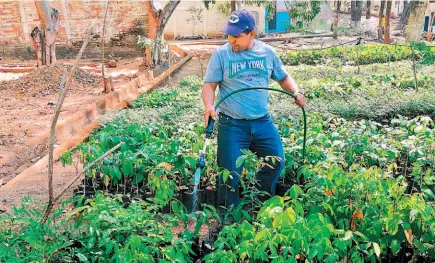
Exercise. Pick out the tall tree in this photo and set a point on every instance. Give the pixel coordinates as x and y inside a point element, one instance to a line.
<point>44,36</point>
<point>404,16</point>
<point>356,11</point>
<point>368,7</point>
<point>387,20</point>
<point>414,28</point>
<point>337,15</point>
<point>353,11</point>
<point>429,29</point>
<point>233,5</point>
<point>303,12</point>
<point>381,13</point>
<point>157,18</point>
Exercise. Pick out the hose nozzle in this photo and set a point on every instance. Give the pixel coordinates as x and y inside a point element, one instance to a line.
<point>201,161</point>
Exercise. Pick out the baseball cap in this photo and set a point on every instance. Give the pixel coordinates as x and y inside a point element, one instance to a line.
<point>239,21</point>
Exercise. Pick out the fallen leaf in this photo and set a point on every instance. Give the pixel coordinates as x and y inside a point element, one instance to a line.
<point>409,236</point>
<point>165,165</point>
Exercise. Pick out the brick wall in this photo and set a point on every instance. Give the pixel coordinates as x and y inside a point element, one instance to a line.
<point>19,17</point>
<point>10,23</point>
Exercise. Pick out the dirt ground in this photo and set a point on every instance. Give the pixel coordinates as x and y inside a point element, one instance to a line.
<point>28,104</point>
<point>23,117</point>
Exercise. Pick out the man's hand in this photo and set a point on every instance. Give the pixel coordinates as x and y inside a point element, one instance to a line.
<point>300,99</point>
<point>209,111</point>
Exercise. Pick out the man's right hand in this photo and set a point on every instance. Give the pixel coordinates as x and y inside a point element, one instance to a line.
<point>209,111</point>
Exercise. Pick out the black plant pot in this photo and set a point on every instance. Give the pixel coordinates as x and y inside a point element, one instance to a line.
<point>281,189</point>
<point>89,193</point>
<point>211,197</point>
<point>166,209</point>
<point>147,194</point>
<point>126,200</point>
<point>187,199</point>
<point>87,181</point>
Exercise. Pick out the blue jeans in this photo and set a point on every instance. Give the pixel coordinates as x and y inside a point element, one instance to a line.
<point>259,136</point>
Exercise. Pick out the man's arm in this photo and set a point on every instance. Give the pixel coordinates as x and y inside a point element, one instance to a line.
<point>289,84</point>
<point>208,90</point>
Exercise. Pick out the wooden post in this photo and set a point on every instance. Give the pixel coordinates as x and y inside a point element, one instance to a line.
<point>380,27</point>
<point>414,69</point>
<point>357,58</point>
<point>336,18</point>
<point>368,11</point>
<point>387,38</point>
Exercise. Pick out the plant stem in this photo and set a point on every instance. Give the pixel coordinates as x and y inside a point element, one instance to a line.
<point>413,69</point>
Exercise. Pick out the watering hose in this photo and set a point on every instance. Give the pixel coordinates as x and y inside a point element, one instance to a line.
<point>209,129</point>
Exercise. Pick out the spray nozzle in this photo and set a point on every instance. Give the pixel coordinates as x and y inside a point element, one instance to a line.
<point>201,161</point>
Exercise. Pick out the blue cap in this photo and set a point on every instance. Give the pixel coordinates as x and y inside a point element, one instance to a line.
<point>239,21</point>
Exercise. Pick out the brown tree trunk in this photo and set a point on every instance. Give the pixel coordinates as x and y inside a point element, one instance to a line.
<point>368,11</point>
<point>157,22</point>
<point>429,29</point>
<point>353,11</point>
<point>387,20</point>
<point>359,5</point>
<point>336,18</point>
<point>356,11</point>
<point>233,5</point>
<point>414,28</point>
<point>44,37</point>
<point>381,13</point>
<point>404,17</point>
<point>153,23</point>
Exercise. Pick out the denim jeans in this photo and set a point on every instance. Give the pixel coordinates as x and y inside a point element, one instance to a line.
<point>259,136</point>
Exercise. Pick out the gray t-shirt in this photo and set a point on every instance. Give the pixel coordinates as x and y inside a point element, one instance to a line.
<point>249,68</point>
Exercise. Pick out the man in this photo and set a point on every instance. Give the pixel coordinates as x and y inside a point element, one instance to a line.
<point>244,122</point>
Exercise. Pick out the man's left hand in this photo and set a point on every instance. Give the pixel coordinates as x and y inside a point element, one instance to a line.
<point>300,99</point>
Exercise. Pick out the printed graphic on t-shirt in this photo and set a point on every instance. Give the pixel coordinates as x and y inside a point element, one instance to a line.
<point>238,67</point>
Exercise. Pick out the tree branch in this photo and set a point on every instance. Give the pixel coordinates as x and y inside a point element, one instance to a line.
<point>60,100</point>
<point>167,12</point>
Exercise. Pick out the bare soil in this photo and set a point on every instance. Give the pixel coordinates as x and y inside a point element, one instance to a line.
<point>27,110</point>
<point>28,104</point>
<point>23,117</point>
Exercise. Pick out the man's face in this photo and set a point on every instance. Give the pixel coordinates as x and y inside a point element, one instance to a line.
<point>242,41</point>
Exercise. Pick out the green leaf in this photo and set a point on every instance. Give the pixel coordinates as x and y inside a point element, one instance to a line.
<point>117,172</point>
<point>127,167</point>
<point>312,252</point>
<point>392,225</point>
<point>246,215</point>
<point>240,161</point>
<point>395,246</point>
<point>419,129</point>
<point>295,191</point>
<point>347,235</point>
<point>287,218</point>
<point>82,257</point>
